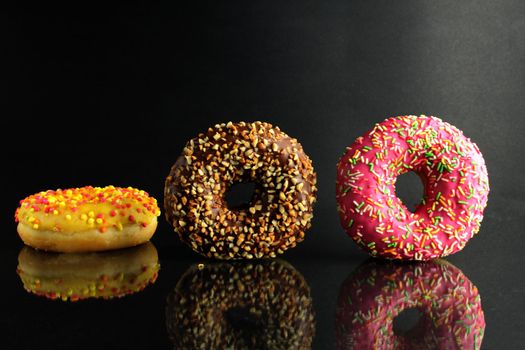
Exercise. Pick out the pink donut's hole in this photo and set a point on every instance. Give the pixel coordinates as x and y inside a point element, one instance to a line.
<point>410,190</point>
<point>240,195</point>
<point>407,320</point>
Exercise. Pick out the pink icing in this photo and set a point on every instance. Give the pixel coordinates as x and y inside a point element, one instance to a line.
<point>456,185</point>
<point>370,299</point>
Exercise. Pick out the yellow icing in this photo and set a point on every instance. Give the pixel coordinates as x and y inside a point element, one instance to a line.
<point>80,209</point>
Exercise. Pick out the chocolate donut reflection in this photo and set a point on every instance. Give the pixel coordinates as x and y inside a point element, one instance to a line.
<point>76,276</point>
<point>378,291</point>
<point>239,305</point>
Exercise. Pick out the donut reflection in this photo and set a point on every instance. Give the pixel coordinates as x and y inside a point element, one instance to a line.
<point>378,291</point>
<point>76,276</point>
<point>238,305</point>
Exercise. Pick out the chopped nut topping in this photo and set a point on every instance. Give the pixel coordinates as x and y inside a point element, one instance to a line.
<point>237,152</point>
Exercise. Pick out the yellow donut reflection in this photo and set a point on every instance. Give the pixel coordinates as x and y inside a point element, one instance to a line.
<point>71,276</point>
<point>378,291</point>
<point>256,305</point>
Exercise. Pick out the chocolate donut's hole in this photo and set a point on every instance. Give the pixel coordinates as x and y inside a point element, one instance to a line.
<point>410,190</point>
<point>240,195</point>
<point>406,321</point>
<point>241,318</point>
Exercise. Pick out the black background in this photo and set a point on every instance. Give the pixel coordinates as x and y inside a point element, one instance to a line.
<point>110,94</point>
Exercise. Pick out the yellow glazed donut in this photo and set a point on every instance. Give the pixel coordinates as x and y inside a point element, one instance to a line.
<point>87,219</point>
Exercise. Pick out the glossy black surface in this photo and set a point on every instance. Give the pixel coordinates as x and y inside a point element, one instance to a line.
<point>109,95</point>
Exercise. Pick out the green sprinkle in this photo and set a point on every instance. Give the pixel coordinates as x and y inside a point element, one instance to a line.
<point>360,205</point>
<point>438,195</point>
<point>371,244</point>
<point>346,190</point>
<point>368,148</point>
<point>462,202</point>
<point>350,223</point>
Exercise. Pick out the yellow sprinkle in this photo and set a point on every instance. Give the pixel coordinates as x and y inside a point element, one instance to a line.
<point>99,221</point>
<point>83,217</point>
<point>91,221</point>
<point>35,226</point>
<point>91,214</point>
<point>31,219</point>
<point>68,217</point>
<point>119,226</point>
<point>55,212</point>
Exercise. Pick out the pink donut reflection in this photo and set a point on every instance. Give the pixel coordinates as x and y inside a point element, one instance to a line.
<point>378,291</point>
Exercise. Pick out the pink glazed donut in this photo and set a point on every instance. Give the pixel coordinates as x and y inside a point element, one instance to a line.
<point>454,176</point>
<point>372,297</point>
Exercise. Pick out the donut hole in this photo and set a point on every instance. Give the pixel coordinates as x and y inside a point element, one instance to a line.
<point>243,319</point>
<point>240,195</point>
<point>410,190</point>
<point>406,321</point>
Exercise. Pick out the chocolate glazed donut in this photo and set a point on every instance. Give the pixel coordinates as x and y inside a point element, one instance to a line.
<point>233,305</point>
<point>281,206</point>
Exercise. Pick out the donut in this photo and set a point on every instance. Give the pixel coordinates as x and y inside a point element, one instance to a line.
<point>234,305</point>
<point>454,178</point>
<point>87,219</point>
<point>78,276</point>
<point>281,206</point>
<point>378,291</point>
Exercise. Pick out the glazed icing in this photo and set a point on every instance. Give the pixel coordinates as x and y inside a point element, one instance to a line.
<point>79,209</point>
